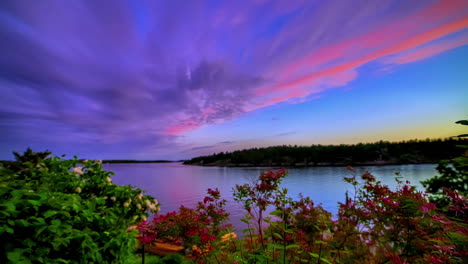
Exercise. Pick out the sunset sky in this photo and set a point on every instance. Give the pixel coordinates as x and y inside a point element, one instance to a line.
<point>125,79</point>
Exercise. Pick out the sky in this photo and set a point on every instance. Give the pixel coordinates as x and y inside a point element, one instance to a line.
<point>125,79</point>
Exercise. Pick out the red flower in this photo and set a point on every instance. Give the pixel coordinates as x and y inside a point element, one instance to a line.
<point>427,207</point>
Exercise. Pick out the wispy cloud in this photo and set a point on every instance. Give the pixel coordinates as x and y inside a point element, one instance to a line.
<point>285,134</point>
<point>133,74</point>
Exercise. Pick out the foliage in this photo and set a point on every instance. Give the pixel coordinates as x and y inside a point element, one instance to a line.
<point>195,228</point>
<point>256,197</point>
<point>450,188</point>
<point>63,211</point>
<point>376,225</point>
<point>413,151</point>
<point>153,259</point>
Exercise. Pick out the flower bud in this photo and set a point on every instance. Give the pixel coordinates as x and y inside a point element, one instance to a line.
<point>78,171</point>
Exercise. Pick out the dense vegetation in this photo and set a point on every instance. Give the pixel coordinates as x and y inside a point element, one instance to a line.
<point>414,151</point>
<point>374,225</point>
<point>63,211</point>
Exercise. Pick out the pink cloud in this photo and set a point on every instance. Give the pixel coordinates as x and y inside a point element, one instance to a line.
<point>182,127</point>
<point>428,51</point>
<point>376,44</point>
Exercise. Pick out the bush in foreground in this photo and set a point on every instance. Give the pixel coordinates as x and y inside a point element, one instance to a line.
<point>376,225</point>
<point>66,211</point>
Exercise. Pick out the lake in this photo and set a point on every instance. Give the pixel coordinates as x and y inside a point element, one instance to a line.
<point>174,184</point>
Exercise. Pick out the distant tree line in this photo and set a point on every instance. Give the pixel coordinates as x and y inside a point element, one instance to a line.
<point>136,161</point>
<point>382,152</point>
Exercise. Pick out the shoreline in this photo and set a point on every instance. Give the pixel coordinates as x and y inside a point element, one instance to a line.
<point>318,164</point>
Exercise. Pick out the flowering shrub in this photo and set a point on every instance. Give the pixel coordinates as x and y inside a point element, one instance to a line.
<point>399,226</point>
<point>377,225</point>
<point>197,229</point>
<point>256,197</point>
<point>66,211</point>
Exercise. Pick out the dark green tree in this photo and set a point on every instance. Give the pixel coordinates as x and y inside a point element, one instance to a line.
<point>453,179</point>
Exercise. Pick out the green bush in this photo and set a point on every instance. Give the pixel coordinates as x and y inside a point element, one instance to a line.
<point>452,183</point>
<point>66,211</point>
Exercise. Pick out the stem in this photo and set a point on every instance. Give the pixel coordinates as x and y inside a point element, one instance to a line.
<point>272,238</point>
<point>143,254</point>
<point>216,259</point>
<point>284,237</point>
<point>259,222</point>
<point>320,254</point>
<point>250,234</point>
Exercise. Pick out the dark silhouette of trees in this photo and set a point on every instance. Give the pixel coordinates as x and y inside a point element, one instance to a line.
<point>382,152</point>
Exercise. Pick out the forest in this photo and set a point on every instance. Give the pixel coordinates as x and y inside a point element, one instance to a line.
<point>377,153</point>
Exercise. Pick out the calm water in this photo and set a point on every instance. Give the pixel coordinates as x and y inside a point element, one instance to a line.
<point>173,184</point>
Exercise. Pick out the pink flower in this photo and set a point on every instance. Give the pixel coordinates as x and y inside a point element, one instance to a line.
<point>427,207</point>
<point>434,259</point>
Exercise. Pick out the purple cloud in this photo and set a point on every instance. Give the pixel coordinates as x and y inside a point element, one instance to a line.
<point>130,77</point>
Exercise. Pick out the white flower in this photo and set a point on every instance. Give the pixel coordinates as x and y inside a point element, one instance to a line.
<point>109,180</point>
<point>99,162</point>
<point>126,204</point>
<point>148,203</point>
<point>140,196</point>
<point>78,189</point>
<point>105,197</point>
<point>138,206</point>
<point>78,170</point>
<point>84,161</point>
<point>113,198</point>
<point>143,218</point>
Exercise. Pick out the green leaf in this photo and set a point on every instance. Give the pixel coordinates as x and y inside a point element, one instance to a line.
<point>325,260</point>
<point>278,235</point>
<point>50,213</point>
<point>313,255</point>
<point>56,222</point>
<point>9,230</point>
<point>276,212</point>
<point>277,246</point>
<point>247,230</point>
<point>35,203</point>
<point>292,246</point>
<point>245,220</point>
